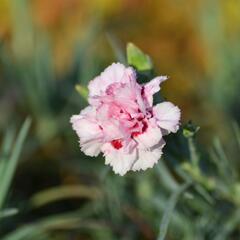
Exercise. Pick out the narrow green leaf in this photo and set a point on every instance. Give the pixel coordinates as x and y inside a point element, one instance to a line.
<point>138,59</point>
<point>118,51</point>
<point>7,142</point>
<point>83,91</point>
<point>228,227</point>
<point>228,171</point>
<point>194,157</point>
<point>167,179</point>
<point>236,130</point>
<point>5,150</point>
<point>66,221</point>
<point>12,162</point>
<point>8,212</point>
<point>204,193</point>
<point>64,192</point>
<point>170,208</point>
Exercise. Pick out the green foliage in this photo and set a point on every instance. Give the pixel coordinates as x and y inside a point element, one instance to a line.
<point>59,193</point>
<point>189,130</point>
<point>82,91</point>
<point>9,161</point>
<point>169,210</point>
<point>8,212</point>
<point>138,59</point>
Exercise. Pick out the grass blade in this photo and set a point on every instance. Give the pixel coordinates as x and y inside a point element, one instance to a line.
<point>169,210</point>
<point>166,177</point>
<point>118,51</point>
<point>83,91</point>
<point>6,149</point>
<point>12,162</point>
<point>236,130</point>
<point>66,221</point>
<point>64,192</point>
<point>8,212</point>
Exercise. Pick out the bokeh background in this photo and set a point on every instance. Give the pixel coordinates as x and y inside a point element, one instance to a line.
<point>47,47</point>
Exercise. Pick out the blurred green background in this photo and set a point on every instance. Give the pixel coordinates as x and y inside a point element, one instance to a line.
<point>47,47</point>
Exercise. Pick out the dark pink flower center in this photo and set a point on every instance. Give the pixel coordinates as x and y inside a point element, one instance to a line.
<point>117,144</point>
<point>144,128</point>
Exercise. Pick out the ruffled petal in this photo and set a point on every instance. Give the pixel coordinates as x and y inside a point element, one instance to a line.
<point>167,116</point>
<point>88,131</point>
<point>115,73</point>
<point>118,159</point>
<point>147,158</point>
<point>149,138</point>
<point>152,87</point>
<point>92,148</point>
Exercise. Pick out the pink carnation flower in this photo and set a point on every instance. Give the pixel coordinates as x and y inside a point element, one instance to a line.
<point>121,121</point>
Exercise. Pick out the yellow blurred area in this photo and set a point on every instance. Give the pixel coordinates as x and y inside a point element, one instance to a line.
<point>4,18</point>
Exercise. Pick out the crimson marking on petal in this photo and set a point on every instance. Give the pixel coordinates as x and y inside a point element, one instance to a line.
<point>117,144</point>
<point>144,128</point>
<point>135,134</point>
